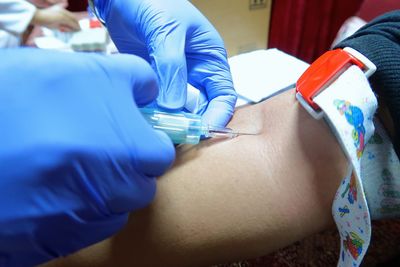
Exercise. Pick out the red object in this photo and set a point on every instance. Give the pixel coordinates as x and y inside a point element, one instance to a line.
<point>306,28</point>
<point>94,23</point>
<point>322,72</point>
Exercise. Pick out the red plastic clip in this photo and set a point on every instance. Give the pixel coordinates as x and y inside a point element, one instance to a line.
<point>324,71</point>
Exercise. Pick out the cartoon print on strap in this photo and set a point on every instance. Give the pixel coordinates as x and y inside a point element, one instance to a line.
<point>343,210</point>
<point>355,117</point>
<point>353,244</point>
<point>351,189</point>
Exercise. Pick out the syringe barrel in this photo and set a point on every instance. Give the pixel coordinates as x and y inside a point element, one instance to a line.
<point>181,127</point>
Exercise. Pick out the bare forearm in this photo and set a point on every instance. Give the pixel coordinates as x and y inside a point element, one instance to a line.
<point>235,199</point>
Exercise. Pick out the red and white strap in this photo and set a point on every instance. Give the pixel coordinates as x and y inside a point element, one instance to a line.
<point>336,88</point>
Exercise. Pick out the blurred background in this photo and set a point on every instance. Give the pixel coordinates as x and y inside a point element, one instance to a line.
<point>302,28</point>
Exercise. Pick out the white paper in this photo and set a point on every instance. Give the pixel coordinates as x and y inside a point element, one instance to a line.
<point>260,74</point>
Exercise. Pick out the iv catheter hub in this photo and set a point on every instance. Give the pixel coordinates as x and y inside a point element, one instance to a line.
<point>185,128</point>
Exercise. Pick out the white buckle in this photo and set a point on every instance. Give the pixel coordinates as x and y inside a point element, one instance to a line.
<point>315,114</point>
<point>370,67</point>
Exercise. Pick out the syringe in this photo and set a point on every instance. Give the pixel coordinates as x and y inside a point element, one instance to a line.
<point>185,128</point>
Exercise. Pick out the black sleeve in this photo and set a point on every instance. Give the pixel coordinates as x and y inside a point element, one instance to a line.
<point>379,41</point>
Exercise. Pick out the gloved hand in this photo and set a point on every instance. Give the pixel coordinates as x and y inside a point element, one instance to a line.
<point>75,153</point>
<point>181,45</point>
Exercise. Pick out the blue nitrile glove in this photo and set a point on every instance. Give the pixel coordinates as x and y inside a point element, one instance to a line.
<point>181,45</point>
<point>76,156</point>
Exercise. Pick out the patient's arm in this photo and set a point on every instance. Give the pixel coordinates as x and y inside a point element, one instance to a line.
<point>234,199</point>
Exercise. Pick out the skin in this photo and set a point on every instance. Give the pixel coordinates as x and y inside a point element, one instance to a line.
<point>56,17</point>
<point>227,200</point>
<point>46,3</point>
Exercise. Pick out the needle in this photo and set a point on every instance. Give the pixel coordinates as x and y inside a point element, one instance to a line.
<point>224,132</point>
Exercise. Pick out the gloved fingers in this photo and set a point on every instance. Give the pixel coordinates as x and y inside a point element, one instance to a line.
<point>221,96</point>
<point>132,185</point>
<point>138,186</point>
<point>209,71</point>
<point>216,112</point>
<point>154,158</point>
<point>140,75</point>
<point>196,101</point>
<point>167,57</point>
<point>137,192</point>
<point>126,171</point>
<point>220,110</point>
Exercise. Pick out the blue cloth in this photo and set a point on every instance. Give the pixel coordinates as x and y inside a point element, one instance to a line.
<point>76,156</point>
<point>181,45</point>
